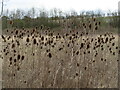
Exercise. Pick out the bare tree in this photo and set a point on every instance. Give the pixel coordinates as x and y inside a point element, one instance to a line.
<point>2,7</point>
<point>33,12</point>
<point>2,3</point>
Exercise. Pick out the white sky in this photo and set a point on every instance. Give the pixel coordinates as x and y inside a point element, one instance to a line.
<point>77,5</point>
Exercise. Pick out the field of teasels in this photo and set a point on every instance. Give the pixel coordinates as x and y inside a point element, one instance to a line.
<point>71,56</point>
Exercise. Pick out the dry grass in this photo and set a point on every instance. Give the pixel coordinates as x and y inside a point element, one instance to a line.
<point>78,58</point>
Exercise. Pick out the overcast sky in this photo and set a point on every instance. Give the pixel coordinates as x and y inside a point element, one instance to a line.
<point>77,5</point>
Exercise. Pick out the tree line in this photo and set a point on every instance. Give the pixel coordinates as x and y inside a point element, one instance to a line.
<point>53,18</point>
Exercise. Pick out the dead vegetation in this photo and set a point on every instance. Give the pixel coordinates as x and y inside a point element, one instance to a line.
<point>68,58</point>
